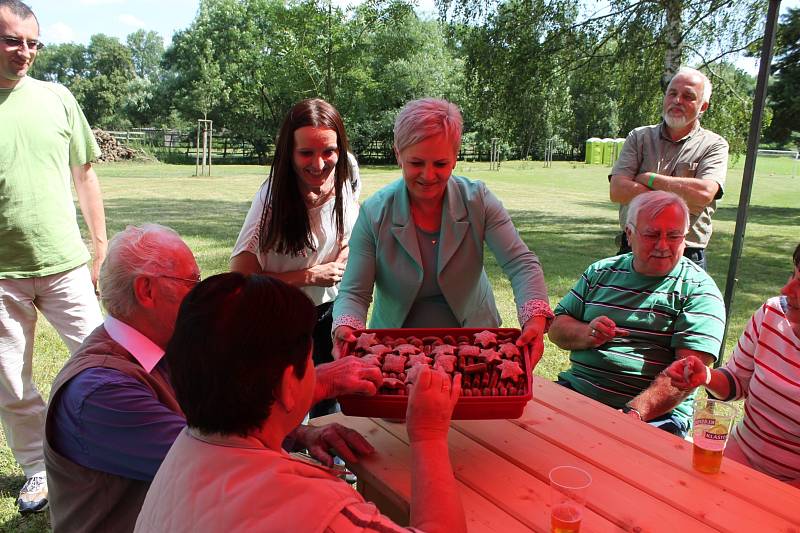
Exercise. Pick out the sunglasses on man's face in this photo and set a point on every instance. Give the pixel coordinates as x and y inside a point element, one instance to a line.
<point>15,42</point>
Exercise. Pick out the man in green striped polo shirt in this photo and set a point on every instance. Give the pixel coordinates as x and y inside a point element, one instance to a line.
<point>629,316</point>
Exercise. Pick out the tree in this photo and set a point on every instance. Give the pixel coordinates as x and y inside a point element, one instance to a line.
<point>637,46</point>
<point>513,89</point>
<point>98,75</point>
<point>245,62</point>
<point>731,104</point>
<point>785,90</point>
<point>147,49</point>
<point>238,64</point>
<point>110,70</point>
<point>396,57</point>
<point>61,63</point>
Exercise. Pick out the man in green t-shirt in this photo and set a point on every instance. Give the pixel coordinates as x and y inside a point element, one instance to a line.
<point>45,143</point>
<point>629,316</point>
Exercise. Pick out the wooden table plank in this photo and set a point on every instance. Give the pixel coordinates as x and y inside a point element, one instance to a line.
<point>388,473</point>
<point>641,454</point>
<point>628,507</point>
<point>512,489</point>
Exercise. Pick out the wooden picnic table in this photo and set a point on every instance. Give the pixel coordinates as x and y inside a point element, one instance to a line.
<point>642,477</point>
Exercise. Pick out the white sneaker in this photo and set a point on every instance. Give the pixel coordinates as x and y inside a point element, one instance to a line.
<point>33,495</point>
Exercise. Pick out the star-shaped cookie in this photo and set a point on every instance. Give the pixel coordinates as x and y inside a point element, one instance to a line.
<point>379,349</point>
<point>365,340</point>
<point>447,349</point>
<point>485,338</point>
<point>509,370</point>
<point>445,362</point>
<point>405,349</point>
<point>468,350</point>
<point>394,363</point>
<point>490,355</point>
<point>419,359</point>
<point>508,349</point>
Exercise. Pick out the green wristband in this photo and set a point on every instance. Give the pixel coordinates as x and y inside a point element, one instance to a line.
<point>651,180</point>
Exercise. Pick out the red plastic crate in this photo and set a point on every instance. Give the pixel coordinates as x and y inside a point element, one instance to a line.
<point>467,407</point>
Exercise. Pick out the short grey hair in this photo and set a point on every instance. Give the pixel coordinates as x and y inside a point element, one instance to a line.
<point>137,250</point>
<point>427,117</point>
<point>652,203</point>
<point>694,72</point>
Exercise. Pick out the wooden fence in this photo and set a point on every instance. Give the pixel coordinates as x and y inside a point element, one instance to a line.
<point>183,143</point>
<point>172,144</point>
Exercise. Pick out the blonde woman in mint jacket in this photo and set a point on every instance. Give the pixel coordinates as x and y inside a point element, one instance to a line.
<point>419,243</point>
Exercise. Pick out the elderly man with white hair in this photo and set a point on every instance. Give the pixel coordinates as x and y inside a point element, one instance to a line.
<point>113,415</point>
<point>630,316</point>
<point>677,156</point>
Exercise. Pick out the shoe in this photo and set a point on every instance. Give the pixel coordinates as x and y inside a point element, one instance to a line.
<point>33,495</point>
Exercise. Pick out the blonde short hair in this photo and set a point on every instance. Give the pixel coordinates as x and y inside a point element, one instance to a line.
<point>424,118</point>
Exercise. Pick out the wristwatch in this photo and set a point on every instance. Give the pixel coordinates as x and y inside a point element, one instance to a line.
<point>627,409</point>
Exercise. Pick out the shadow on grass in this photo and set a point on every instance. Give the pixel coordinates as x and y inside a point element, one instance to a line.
<point>566,246</point>
<point>205,219</point>
<point>759,214</point>
<point>35,523</point>
<point>210,227</point>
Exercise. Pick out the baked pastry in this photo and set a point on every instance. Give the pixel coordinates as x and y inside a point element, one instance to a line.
<point>509,370</point>
<point>394,363</point>
<point>486,338</point>
<point>365,340</point>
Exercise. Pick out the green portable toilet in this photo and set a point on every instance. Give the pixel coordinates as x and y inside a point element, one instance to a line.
<point>618,144</point>
<point>608,152</point>
<point>594,151</point>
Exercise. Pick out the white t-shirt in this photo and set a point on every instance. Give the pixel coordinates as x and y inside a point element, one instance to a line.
<point>323,230</point>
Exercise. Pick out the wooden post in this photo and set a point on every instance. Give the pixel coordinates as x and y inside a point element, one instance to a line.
<point>203,162</point>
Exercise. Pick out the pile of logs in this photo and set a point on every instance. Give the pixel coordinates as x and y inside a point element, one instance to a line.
<point>111,148</point>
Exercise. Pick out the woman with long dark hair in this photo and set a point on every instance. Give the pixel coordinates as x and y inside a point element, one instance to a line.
<point>299,224</point>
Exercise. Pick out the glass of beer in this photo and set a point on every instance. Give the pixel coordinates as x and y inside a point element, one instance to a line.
<point>712,425</point>
<point>568,488</point>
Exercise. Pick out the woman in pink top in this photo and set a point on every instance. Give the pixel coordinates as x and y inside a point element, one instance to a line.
<point>764,369</point>
<point>240,362</point>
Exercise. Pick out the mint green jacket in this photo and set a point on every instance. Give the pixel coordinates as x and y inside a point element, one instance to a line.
<point>384,256</point>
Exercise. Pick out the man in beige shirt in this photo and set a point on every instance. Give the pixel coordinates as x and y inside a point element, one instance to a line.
<point>678,156</point>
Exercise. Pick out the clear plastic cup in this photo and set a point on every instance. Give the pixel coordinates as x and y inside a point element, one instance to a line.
<point>568,488</point>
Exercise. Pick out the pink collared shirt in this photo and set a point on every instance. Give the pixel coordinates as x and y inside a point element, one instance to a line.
<point>145,351</point>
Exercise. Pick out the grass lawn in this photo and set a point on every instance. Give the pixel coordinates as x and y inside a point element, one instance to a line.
<point>563,213</point>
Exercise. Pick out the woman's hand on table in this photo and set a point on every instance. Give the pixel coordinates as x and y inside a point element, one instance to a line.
<point>342,336</point>
<point>348,375</point>
<point>332,439</point>
<point>325,274</point>
<point>430,404</point>
<point>532,335</point>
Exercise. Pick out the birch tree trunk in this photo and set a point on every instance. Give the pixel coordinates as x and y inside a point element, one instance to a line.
<point>673,36</point>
